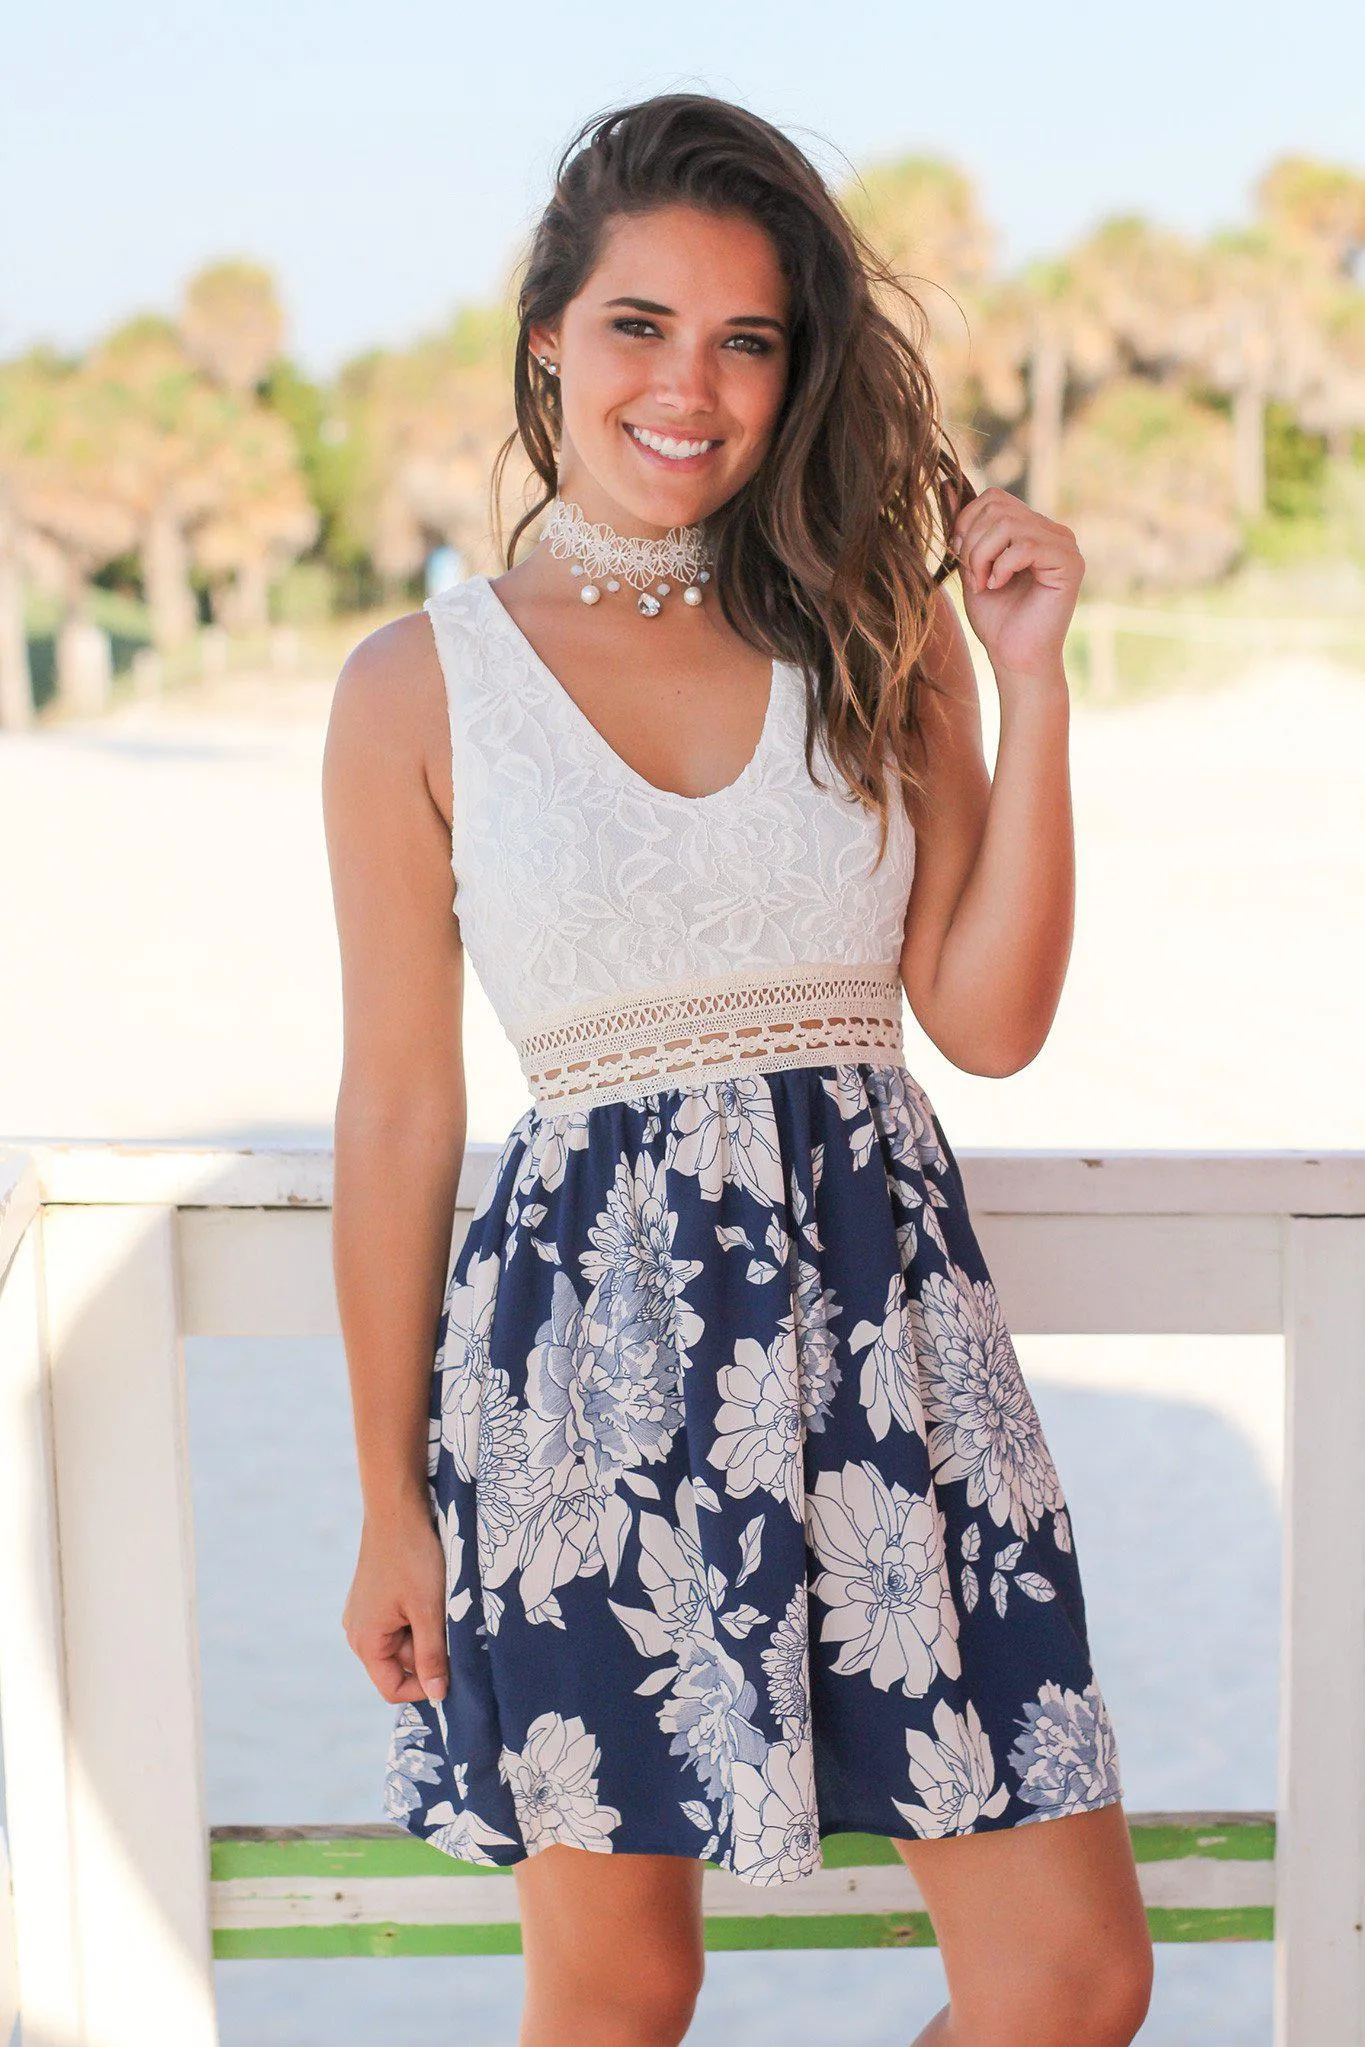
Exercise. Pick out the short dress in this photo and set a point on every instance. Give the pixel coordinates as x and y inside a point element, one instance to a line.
<point>751,1531</point>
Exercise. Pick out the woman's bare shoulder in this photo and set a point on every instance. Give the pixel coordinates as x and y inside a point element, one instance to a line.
<point>389,705</point>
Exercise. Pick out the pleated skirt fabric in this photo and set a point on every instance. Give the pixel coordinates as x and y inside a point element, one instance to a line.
<point>752,1534</point>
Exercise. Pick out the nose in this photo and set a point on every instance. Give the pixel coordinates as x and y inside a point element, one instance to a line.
<point>686,381</point>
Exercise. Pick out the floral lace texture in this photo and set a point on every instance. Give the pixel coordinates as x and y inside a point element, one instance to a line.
<point>579,881</point>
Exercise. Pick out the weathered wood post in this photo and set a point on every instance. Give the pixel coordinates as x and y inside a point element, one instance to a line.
<point>32,1653</point>
<point>1320,1856</point>
<point>133,1772</point>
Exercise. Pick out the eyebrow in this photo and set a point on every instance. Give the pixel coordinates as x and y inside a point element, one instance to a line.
<point>736,319</point>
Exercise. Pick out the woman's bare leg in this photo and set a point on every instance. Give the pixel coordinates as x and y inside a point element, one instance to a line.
<point>612,1945</point>
<point>1042,1931</point>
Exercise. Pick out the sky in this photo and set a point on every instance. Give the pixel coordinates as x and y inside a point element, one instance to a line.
<point>388,161</point>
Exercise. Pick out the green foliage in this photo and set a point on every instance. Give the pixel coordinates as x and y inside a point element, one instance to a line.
<point>1295,466</point>
<point>305,595</point>
<point>328,455</point>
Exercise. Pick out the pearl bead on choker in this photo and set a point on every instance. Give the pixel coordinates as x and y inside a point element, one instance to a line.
<point>604,556</point>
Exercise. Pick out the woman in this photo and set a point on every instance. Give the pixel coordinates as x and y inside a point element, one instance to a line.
<point>724,1520</point>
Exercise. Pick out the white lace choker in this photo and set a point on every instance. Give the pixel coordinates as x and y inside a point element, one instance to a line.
<point>607,558</point>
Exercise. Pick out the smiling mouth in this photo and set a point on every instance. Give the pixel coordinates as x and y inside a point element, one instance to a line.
<point>670,446</point>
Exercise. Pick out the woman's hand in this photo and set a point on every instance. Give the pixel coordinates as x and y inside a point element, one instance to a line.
<point>1021,574</point>
<point>394,1616</point>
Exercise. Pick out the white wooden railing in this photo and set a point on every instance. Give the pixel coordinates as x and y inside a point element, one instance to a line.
<point>111,1255</point>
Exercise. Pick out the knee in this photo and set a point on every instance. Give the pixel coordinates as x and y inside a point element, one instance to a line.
<point>1104,2003</point>
<point>1099,2002</point>
<point>646,2000</point>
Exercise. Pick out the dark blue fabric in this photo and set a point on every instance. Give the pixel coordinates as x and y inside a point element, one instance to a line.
<point>752,1534</point>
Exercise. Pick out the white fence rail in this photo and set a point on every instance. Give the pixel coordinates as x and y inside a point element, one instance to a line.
<point>111,1255</point>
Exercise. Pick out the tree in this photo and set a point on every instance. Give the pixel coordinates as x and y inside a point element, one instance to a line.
<point>1320,207</point>
<point>923,217</point>
<point>231,324</point>
<point>1148,488</point>
<point>424,425</point>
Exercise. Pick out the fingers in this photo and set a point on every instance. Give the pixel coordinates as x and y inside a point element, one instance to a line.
<point>997,535</point>
<point>429,1653</point>
<point>409,1662</point>
<point>1016,554</point>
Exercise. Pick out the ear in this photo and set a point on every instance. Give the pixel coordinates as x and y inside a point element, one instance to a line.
<point>544,341</point>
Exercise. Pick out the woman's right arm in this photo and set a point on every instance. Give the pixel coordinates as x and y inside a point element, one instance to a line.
<point>400,1126</point>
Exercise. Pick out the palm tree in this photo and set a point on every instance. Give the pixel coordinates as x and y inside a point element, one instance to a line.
<point>1256,338</point>
<point>262,520</point>
<point>1320,207</point>
<point>166,441</point>
<point>923,216</point>
<point>232,325</point>
<point>426,423</point>
<point>64,518</point>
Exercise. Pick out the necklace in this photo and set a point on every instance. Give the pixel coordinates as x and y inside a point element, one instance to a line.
<point>650,566</point>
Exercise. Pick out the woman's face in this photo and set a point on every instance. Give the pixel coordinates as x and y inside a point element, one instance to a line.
<point>681,334</point>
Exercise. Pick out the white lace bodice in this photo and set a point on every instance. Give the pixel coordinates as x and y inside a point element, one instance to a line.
<point>578,882</point>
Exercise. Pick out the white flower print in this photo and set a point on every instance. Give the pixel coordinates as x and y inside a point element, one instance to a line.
<point>776,1824</point>
<point>503,1487</point>
<point>547,1153</point>
<point>462,1360</point>
<point>464,1834</point>
<point>954,1776</point>
<point>452,1545</point>
<point>676,1578</point>
<point>741,1620</point>
<point>1066,1757</point>
<point>814,1308</point>
<point>758,1423</point>
<point>410,1763</point>
<point>786,1665</point>
<point>554,1784</point>
<point>845,1088</point>
<point>709,1716</point>
<point>608,1396</point>
<point>984,1427</point>
<point>923,1200</point>
<point>750,1549</point>
<point>884,1579</point>
<point>907,1117</point>
<point>889,1386</point>
<point>727,1132</point>
<point>636,1279</point>
<point>579,1529</point>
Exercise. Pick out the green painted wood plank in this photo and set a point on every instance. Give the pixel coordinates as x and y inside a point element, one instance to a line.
<point>386,1849</point>
<point>285,1943</point>
<point>851,1930</point>
<point>1224,1837</point>
<point>1246,1922</point>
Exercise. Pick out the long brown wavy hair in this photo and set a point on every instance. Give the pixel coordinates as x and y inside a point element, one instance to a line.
<point>822,559</point>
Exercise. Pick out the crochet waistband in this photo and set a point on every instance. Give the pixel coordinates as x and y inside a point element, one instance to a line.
<point>695,1032</point>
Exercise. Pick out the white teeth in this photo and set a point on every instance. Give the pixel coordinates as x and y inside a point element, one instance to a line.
<point>664,444</point>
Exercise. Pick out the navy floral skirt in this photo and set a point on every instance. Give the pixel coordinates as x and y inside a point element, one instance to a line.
<point>751,1531</point>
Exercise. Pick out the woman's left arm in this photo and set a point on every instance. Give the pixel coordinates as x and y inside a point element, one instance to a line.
<point>989,924</point>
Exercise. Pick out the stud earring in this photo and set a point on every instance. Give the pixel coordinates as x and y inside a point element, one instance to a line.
<point>546,364</point>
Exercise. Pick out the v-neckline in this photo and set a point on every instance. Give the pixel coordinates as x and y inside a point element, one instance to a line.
<point>602,746</point>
